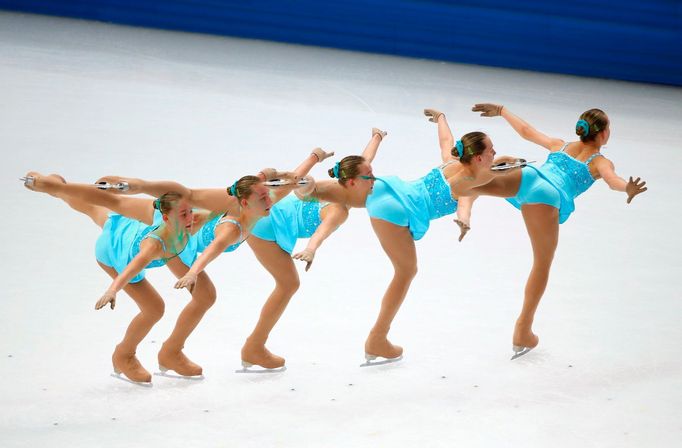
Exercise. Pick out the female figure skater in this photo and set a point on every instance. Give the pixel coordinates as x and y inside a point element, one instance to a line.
<point>545,195</point>
<point>400,213</point>
<point>142,233</point>
<point>273,240</point>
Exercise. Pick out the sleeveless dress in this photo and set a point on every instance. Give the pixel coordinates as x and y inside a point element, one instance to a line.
<point>557,182</point>
<point>120,242</point>
<point>412,204</point>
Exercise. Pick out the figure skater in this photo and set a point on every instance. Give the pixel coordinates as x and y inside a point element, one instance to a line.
<point>140,234</point>
<point>400,212</point>
<point>544,195</point>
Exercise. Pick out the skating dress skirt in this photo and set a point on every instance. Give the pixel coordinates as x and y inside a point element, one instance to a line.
<point>120,242</point>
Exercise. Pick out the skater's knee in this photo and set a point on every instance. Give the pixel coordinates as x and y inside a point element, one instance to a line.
<point>407,271</point>
<point>543,262</point>
<point>207,298</point>
<point>289,285</point>
<point>155,311</point>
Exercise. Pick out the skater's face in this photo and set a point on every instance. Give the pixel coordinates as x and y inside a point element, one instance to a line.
<point>488,154</point>
<point>180,217</point>
<point>259,201</point>
<point>364,181</point>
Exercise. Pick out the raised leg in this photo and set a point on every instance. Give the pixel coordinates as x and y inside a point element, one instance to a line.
<point>79,196</point>
<point>506,186</point>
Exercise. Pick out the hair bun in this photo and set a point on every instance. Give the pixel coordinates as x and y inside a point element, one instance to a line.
<point>330,171</point>
<point>582,128</point>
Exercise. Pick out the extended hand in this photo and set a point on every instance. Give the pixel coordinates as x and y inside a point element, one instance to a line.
<point>463,228</point>
<point>379,132</point>
<point>108,297</point>
<point>188,281</point>
<point>634,187</point>
<point>322,154</point>
<point>306,255</point>
<point>433,115</point>
<point>488,109</point>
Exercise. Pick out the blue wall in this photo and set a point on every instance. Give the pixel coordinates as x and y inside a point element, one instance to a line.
<point>637,40</point>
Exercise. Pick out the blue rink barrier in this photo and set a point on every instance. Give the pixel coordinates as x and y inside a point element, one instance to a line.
<point>634,40</point>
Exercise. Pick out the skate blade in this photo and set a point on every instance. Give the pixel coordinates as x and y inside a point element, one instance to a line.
<point>28,181</point>
<point>119,376</point>
<point>121,186</point>
<point>283,182</point>
<point>520,351</point>
<point>371,361</point>
<point>246,368</point>
<point>177,376</point>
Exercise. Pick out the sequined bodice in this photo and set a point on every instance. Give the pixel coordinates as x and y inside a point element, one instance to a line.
<point>147,233</point>
<point>207,234</point>
<point>571,175</point>
<point>310,218</point>
<point>441,201</point>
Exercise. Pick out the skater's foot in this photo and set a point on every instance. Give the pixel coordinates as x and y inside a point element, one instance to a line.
<point>378,345</point>
<point>174,359</point>
<point>524,336</point>
<point>258,355</point>
<point>44,184</point>
<point>126,362</point>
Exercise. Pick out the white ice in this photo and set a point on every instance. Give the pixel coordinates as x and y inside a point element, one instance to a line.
<point>86,99</point>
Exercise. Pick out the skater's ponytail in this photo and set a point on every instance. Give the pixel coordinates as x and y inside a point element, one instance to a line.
<point>471,144</point>
<point>347,168</point>
<point>167,202</point>
<point>243,188</point>
<point>591,123</point>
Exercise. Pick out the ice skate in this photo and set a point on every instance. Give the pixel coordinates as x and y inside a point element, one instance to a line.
<point>128,368</point>
<point>119,186</point>
<point>520,350</point>
<point>522,345</point>
<point>282,182</point>
<point>381,348</point>
<point>265,361</point>
<point>247,368</point>
<point>180,364</point>
<point>29,181</point>
<point>370,360</point>
<point>504,166</point>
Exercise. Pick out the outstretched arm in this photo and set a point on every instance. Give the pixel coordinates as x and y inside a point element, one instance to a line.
<point>316,156</point>
<point>525,130</point>
<point>224,236</point>
<point>463,220</point>
<point>632,187</point>
<point>334,216</point>
<point>445,138</point>
<point>149,251</point>
<point>372,147</point>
